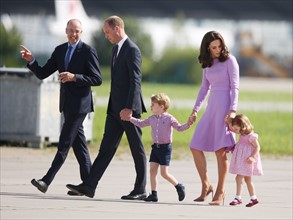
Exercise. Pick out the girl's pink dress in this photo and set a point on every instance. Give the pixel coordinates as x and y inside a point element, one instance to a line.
<point>243,150</point>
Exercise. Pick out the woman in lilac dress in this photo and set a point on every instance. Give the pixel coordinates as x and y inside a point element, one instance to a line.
<point>220,79</point>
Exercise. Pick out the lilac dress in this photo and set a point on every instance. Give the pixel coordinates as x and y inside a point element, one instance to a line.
<point>221,81</point>
<point>243,150</point>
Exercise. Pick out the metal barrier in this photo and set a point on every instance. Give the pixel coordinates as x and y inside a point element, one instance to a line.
<point>29,109</point>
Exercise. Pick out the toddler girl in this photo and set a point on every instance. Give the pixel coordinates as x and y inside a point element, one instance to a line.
<point>245,160</point>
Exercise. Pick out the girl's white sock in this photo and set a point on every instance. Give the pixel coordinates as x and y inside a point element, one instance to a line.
<point>253,197</point>
<point>238,197</point>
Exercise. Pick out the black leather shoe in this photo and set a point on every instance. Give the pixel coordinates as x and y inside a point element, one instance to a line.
<point>71,193</point>
<point>81,189</point>
<point>134,196</point>
<point>151,198</point>
<point>181,191</point>
<point>40,184</point>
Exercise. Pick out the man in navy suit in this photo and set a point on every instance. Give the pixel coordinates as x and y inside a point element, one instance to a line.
<point>79,69</point>
<point>125,100</point>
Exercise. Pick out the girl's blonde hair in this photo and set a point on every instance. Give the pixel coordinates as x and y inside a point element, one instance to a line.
<point>161,99</point>
<point>243,122</point>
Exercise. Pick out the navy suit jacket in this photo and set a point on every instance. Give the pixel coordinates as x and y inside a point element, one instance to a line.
<point>76,96</point>
<point>126,81</point>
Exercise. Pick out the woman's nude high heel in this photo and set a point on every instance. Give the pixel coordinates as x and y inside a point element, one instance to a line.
<point>219,201</point>
<point>204,195</point>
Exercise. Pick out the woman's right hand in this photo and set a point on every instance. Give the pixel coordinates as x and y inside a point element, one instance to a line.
<point>192,117</point>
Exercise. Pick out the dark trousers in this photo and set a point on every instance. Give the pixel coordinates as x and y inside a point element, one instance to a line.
<point>114,129</point>
<point>72,134</point>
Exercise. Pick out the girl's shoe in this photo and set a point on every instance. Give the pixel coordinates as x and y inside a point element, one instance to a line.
<point>236,202</point>
<point>151,198</point>
<point>252,203</point>
<point>204,195</point>
<point>219,201</point>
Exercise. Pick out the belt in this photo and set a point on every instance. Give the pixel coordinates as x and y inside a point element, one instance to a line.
<point>160,145</point>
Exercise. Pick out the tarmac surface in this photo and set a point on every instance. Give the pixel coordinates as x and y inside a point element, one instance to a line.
<point>21,200</point>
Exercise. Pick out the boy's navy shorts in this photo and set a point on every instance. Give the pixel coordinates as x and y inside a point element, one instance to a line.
<point>161,154</point>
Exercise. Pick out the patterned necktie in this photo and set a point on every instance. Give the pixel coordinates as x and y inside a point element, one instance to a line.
<point>67,57</point>
<point>115,50</point>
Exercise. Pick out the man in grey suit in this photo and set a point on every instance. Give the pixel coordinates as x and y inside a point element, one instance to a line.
<point>79,69</point>
<point>125,100</point>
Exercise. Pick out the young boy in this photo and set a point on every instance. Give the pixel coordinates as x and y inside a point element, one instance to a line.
<point>162,124</point>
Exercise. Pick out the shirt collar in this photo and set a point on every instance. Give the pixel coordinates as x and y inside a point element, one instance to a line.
<point>121,42</point>
<point>162,115</point>
<point>73,45</point>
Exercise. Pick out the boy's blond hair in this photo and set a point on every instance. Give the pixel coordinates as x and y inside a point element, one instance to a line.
<point>161,99</point>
